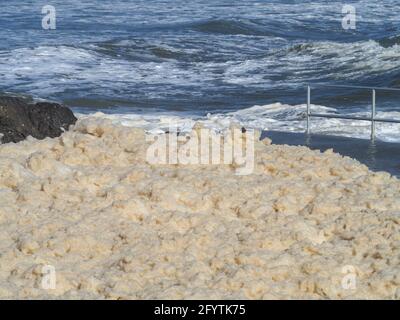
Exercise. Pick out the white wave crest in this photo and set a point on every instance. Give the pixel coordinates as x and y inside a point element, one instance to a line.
<point>277,116</point>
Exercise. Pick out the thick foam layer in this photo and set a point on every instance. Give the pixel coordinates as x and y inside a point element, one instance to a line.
<point>88,209</point>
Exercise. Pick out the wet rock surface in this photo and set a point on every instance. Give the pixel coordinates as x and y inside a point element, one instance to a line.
<point>20,118</point>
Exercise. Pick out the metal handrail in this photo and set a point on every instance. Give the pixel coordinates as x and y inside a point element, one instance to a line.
<point>372,118</point>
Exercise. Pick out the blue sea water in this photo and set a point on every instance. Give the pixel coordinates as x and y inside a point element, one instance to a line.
<point>230,59</point>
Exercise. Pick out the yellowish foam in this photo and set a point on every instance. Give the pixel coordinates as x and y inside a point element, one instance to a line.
<point>114,226</point>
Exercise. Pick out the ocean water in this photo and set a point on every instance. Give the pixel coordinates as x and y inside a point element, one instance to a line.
<point>146,63</point>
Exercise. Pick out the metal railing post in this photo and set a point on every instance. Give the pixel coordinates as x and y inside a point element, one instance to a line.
<point>308,108</point>
<point>373,113</point>
<point>372,118</point>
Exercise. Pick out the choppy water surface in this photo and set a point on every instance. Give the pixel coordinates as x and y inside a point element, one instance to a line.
<point>243,60</point>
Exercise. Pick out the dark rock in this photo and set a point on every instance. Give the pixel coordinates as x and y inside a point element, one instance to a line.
<point>20,118</point>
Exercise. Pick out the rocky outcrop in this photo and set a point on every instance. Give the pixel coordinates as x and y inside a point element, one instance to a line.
<point>20,118</point>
